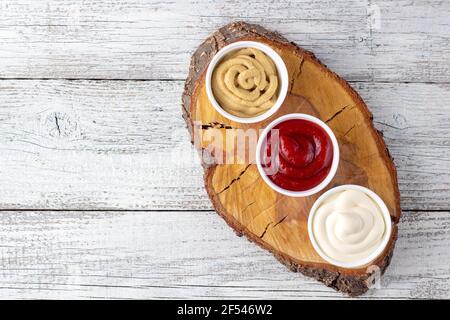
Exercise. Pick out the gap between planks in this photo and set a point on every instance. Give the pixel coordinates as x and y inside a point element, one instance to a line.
<point>162,210</point>
<point>180,80</point>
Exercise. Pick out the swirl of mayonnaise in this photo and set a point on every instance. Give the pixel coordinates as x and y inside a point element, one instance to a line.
<point>348,226</point>
<point>245,83</point>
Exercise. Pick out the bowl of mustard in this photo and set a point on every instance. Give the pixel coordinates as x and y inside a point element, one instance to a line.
<point>247,81</point>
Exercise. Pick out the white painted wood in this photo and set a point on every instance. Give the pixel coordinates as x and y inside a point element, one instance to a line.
<point>93,145</point>
<point>188,255</point>
<point>123,145</point>
<point>134,39</point>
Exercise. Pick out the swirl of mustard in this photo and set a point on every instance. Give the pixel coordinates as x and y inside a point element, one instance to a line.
<point>245,83</point>
<point>348,226</point>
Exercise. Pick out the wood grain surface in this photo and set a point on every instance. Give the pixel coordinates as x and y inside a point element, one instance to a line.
<point>276,222</point>
<point>74,135</point>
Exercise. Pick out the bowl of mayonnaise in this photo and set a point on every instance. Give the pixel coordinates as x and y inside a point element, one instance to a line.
<point>349,226</point>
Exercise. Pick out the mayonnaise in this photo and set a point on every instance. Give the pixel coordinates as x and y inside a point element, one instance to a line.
<point>348,226</point>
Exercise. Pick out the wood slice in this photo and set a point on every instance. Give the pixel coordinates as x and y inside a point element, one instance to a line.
<point>276,222</point>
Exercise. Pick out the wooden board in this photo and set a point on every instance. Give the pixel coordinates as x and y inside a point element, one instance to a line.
<point>276,222</point>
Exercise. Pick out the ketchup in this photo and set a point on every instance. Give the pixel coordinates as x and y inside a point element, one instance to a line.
<point>302,155</point>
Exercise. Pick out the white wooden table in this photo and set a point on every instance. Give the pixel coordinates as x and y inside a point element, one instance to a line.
<point>95,199</point>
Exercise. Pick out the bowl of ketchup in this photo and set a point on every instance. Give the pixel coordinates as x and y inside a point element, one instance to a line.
<point>297,155</point>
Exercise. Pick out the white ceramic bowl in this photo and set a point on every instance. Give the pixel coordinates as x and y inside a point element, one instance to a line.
<point>334,164</point>
<point>386,217</point>
<point>282,76</point>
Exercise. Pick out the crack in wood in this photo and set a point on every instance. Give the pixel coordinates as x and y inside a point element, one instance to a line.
<point>296,74</point>
<point>265,230</point>
<point>280,221</point>
<point>235,179</point>
<point>348,131</point>
<point>263,211</point>
<point>390,126</point>
<point>251,184</point>
<point>247,206</point>
<point>270,223</point>
<point>338,113</point>
<point>351,128</point>
<point>216,125</point>
<point>57,124</point>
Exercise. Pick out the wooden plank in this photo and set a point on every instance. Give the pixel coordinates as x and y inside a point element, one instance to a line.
<point>134,39</point>
<point>188,255</point>
<point>123,145</point>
